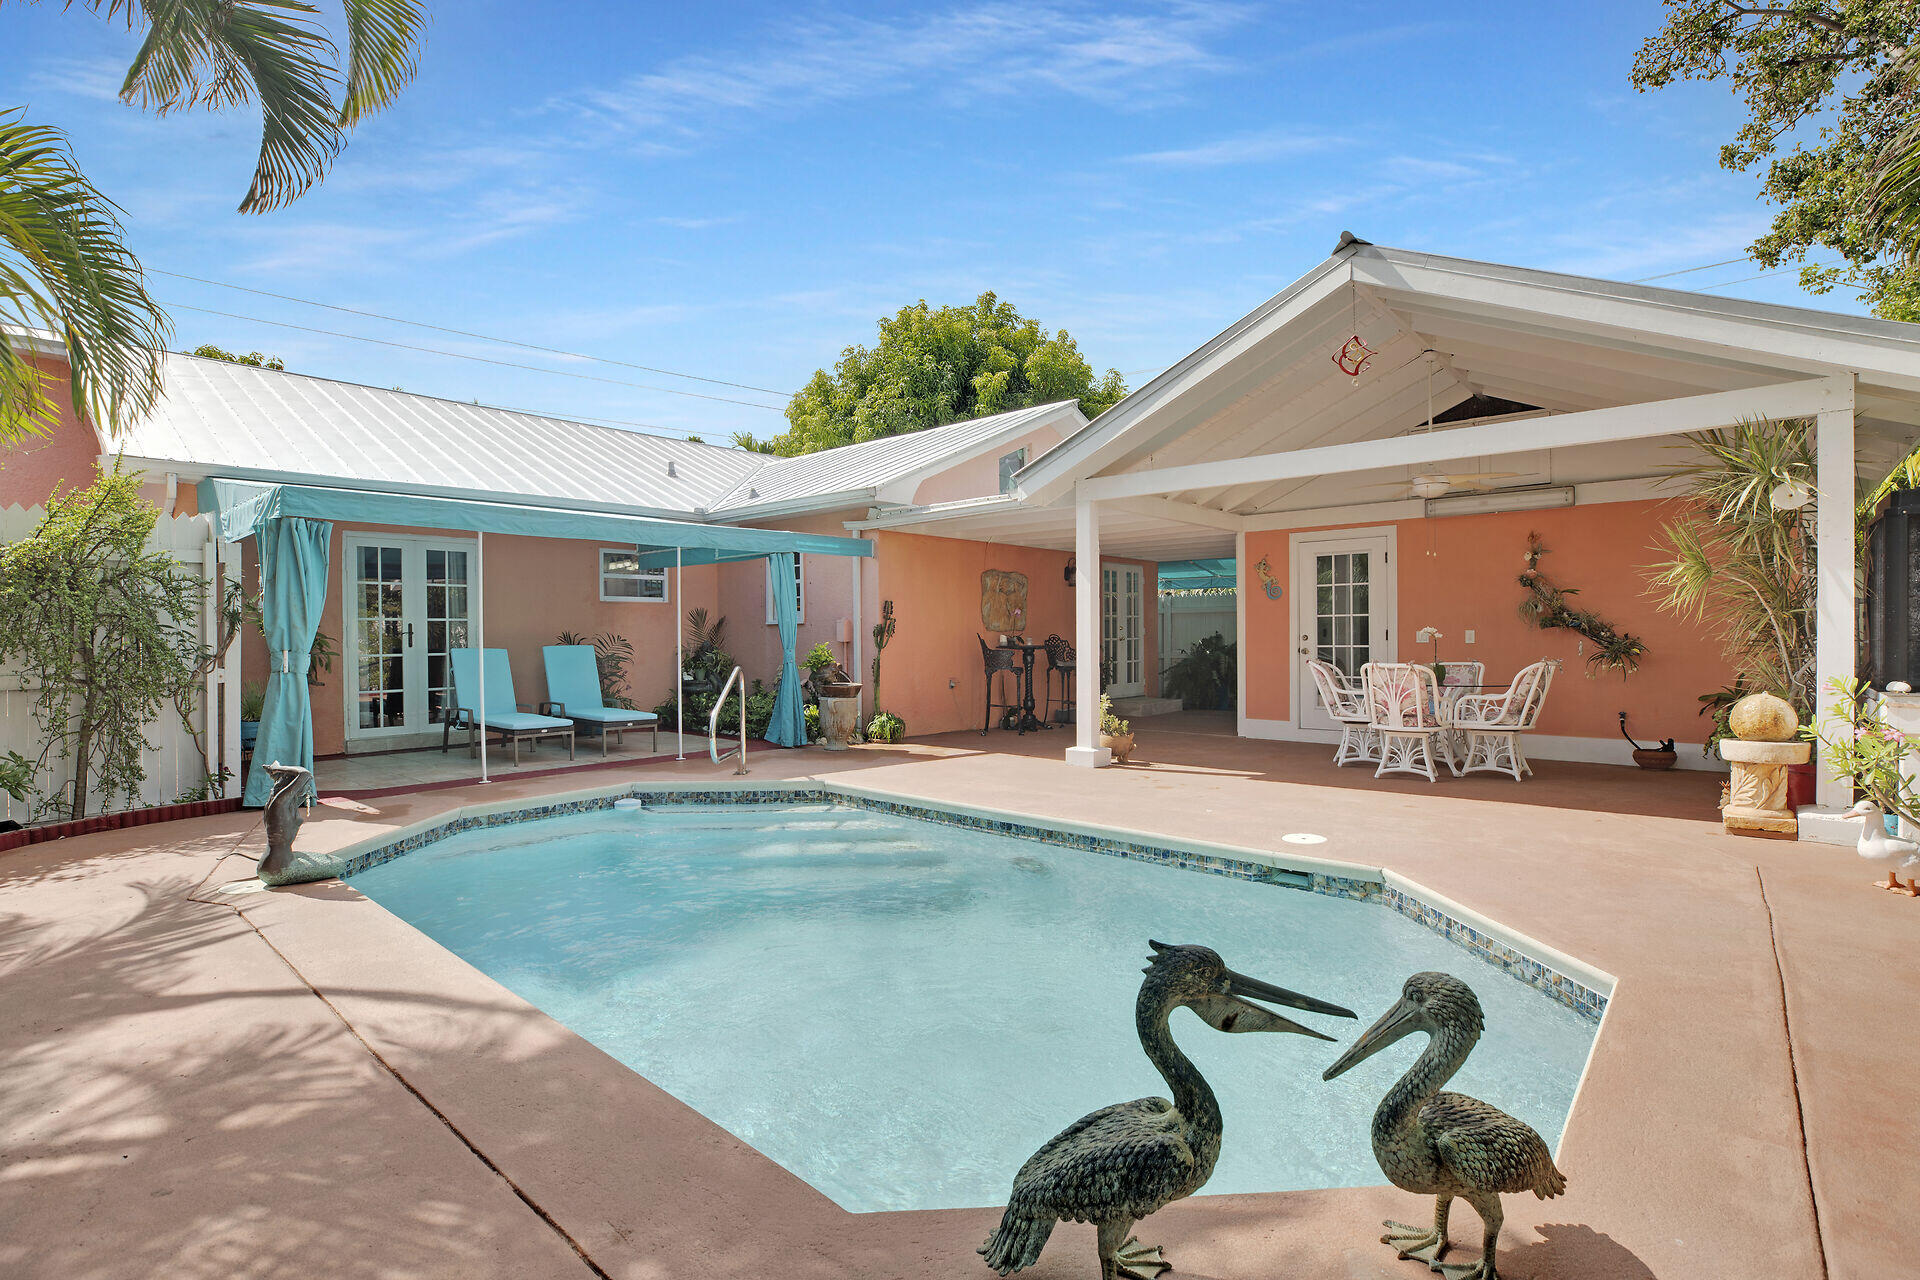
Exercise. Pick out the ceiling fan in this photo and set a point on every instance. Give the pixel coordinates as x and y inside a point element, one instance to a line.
<point>1436,484</point>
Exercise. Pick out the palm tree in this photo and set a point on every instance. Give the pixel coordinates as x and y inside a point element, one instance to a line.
<point>1893,194</point>
<point>64,262</point>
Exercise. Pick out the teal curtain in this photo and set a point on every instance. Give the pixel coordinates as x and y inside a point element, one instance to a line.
<point>788,728</point>
<point>293,580</point>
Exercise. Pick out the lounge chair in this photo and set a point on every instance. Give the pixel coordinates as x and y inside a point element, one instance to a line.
<point>573,691</point>
<point>506,717</point>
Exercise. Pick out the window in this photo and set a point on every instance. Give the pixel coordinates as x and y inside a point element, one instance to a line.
<point>622,578</point>
<point>1009,464</point>
<point>799,588</point>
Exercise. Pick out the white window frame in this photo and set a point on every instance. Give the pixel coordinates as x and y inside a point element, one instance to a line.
<point>600,564</point>
<point>800,587</point>
<point>1006,476</point>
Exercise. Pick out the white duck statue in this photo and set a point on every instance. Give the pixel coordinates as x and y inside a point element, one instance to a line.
<point>1876,845</point>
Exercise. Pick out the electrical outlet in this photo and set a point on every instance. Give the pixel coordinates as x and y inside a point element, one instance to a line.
<point>952,683</point>
<point>1469,637</point>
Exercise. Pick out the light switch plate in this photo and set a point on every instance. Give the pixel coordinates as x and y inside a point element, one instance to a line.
<point>1469,637</point>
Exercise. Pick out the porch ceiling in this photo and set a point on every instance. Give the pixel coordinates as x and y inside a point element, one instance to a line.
<point>1131,534</point>
<point>1545,341</point>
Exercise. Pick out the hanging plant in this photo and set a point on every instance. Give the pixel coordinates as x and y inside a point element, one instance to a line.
<point>1550,607</point>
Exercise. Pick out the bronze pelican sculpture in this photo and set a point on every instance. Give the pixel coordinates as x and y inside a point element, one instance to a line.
<point>1447,1144</point>
<point>1121,1163</point>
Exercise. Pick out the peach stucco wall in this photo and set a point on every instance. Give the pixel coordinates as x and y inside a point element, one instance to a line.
<point>1460,572</point>
<point>979,477</point>
<point>535,589</point>
<point>931,675</point>
<point>753,641</point>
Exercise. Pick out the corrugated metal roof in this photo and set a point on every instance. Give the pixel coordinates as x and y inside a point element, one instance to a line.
<point>873,464</point>
<point>243,420</point>
<point>240,421</point>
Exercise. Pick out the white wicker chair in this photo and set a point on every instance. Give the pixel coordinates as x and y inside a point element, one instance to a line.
<point>1403,700</point>
<point>1345,699</point>
<point>1491,723</point>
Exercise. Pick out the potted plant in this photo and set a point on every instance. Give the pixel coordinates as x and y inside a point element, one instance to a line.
<point>1865,748</point>
<point>1205,676</point>
<point>1116,735</point>
<point>253,701</point>
<point>886,727</point>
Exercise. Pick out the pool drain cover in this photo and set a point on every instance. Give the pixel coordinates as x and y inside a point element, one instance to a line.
<point>1302,837</point>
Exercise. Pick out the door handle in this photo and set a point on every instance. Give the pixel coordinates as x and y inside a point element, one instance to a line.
<point>409,635</point>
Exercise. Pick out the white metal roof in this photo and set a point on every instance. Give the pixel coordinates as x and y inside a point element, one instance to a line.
<point>219,418</point>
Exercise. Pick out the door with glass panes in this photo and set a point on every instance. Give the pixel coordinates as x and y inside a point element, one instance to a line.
<point>1343,609</point>
<point>408,603</point>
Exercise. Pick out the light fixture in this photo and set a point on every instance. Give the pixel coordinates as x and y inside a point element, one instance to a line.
<point>1067,573</point>
<point>1790,495</point>
<point>1429,486</point>
<point>1530,498</point>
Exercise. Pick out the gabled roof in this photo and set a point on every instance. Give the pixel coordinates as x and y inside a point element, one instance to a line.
<point>242,422</point>
<point>863,470</point>
<point>1267,384</point>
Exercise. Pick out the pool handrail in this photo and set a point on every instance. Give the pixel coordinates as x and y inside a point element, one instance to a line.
<point>713,725</point>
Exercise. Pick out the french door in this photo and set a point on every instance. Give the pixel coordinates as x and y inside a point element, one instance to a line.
<point>1343,612</point>
<point>407,605</point>
<point>1123,648</point>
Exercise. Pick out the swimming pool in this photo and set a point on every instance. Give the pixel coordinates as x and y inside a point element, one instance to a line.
<point>899,1011</point>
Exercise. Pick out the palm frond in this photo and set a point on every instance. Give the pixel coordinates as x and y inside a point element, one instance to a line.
<point>383,51</point>
<point>65,266</point>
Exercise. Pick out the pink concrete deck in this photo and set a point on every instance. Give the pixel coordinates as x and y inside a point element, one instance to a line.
<point>1744,1114</point>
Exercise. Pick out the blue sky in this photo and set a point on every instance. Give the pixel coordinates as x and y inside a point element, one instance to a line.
<point>740,190</point>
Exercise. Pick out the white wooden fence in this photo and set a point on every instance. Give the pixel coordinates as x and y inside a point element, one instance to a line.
<point>173,764</point>
<point>1187,618</point>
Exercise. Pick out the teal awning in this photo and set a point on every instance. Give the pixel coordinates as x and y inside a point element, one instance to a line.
<point>1191,574</point>
<point>243,506</point>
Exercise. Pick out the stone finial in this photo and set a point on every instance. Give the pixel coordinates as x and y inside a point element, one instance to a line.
<point>1762,717</point>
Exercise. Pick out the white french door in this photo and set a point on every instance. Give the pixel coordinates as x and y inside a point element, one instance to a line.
<point>1343,604</point>
<point>407,606</point>
<point>1123,647</point>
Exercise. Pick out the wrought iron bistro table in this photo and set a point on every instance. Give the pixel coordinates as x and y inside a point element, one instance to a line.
<point>1027,720</point>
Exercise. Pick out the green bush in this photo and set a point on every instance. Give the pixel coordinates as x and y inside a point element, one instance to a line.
<point>886,727</point>
<point>1206,676</point>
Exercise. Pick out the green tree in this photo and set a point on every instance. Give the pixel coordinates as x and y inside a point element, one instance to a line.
<point>935,365</point>
<point>103,631</point>
<point>207,351</point>
<point>1833,111</point>
<point>64,262</point>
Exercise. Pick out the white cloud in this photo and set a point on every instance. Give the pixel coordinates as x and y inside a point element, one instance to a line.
<point>967,53</point>
<point>1249,148</point>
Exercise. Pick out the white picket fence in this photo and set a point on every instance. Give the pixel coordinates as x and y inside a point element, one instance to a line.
<point>173,764</point>
<point>1187,618</point>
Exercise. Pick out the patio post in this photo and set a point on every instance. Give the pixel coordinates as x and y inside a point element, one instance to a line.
<point>1834,648</point>
<point>679,667</point>
<point>480,635</point>
<point>856,563</point>
<point>1086,750</point>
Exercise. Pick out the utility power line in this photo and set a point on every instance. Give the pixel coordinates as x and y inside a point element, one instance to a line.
<point>461,355</point>
<point>464,333</point>
<point>1686,271</point>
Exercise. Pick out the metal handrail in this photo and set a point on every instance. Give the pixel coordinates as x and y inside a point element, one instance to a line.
<point>713,725</point>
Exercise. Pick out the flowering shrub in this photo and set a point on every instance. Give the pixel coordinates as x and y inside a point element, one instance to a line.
<point>1856,742</point>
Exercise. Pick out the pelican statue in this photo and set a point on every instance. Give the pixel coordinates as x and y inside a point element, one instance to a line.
<point>1447,1144</point>
<point>1876,845</point>
<point>1119,1164</point>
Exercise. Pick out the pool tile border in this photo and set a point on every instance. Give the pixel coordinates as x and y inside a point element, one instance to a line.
<point>1566,989</point>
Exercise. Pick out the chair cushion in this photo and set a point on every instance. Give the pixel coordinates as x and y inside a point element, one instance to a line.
<point>522,721</point>
<point>610,715</point>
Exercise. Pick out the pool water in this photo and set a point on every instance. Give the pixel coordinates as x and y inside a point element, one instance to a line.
<point>900,1011</point>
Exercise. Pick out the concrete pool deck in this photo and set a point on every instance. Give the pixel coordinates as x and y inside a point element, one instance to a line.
<point>296,1083</point>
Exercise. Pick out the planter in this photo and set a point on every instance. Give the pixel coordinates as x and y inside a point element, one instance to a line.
<point>840,689</point>
<point>249,734</point>
<point>839,722</point>
<point>1656,760</point>
<point>1121,745</point>
<point>1801,780</point>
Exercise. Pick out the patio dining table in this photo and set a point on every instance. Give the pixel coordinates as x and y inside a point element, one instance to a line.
<point>1027,719</point>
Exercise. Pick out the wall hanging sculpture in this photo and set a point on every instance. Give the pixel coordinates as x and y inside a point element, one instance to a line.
<point>1003,601</point>
<point>1267,582</point>
<point>1447,1144</point>
<point>1123,1162</point>
<point>1550,607</point>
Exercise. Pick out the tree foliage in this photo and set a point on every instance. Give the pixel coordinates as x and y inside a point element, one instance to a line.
<point>101,628</point>
<point>1833,101</point>
<point>935,365</point>
<point>64,262</point>
<point>253,359</point>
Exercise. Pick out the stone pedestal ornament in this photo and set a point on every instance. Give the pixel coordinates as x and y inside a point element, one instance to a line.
<point>292,784</point>
<point>1764,745</point>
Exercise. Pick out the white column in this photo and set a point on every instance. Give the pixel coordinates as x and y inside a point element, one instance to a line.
<point>1086,749</point>
<point>1834,652</point>
<point>480,636</point>
<point>679,664</point>
<point>855,648</point>
<point>1239,631</point>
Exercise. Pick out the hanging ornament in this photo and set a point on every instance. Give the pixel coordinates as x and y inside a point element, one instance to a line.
<point>1354,353</point>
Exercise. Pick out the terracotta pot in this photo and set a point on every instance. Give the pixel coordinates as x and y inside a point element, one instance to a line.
<point>837,689</point>
<point>1800,784</point>
<point>1654,759</point>
<point>1120,745</point>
